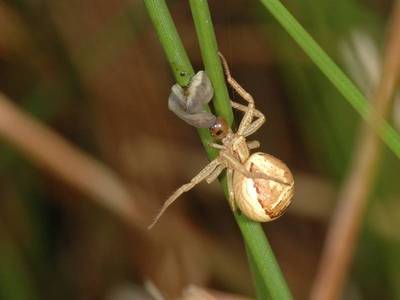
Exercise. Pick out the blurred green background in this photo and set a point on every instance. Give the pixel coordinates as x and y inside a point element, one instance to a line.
<point>94,73</point>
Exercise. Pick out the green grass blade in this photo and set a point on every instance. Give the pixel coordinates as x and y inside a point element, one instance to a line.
<point>209,52</point>
<point>266,265</point>
<point>345,86</point>
<point>253,234</point>
<point>267,272</point>
<point>170,40</point>
<point>260,287</point>
<point>176,55</point>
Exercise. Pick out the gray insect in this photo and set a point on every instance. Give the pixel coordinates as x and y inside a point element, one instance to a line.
<point>188,103</point>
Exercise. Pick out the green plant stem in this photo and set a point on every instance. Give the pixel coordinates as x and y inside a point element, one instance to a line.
<point>265,264</point>
<point>253,234</point>
<point>176,56</point>
<point>170,40</point>
<point>345,86</point>
<point>266,270</point>
<point>260,287</point>
<point>209,52</point>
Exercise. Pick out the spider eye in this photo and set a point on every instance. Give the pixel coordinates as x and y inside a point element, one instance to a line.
<point>219,129</point>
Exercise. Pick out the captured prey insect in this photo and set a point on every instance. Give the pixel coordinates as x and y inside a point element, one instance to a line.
<point>260,185</point>
<point>188,104</point>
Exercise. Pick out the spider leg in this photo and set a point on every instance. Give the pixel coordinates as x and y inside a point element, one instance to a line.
<point>216,146</point>
<point>229,180</point>
<point>234,84</point>
<point>214,175</point>
<point>254,126</point>
<point>236,165</point>
<point>253,144</point>
<point>248,116</point>
<point>203,174</point>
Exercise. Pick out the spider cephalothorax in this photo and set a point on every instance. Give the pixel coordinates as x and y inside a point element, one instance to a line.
<point>260,185</point>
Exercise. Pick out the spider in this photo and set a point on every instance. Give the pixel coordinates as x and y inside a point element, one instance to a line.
<point>259,184</point>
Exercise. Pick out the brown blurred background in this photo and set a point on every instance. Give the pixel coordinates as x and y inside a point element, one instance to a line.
<point>73,218</point>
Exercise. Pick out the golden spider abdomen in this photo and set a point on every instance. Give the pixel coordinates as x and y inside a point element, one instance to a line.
<point>264,200</point>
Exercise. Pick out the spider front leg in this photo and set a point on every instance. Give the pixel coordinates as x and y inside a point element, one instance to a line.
<point>203,174</point>
<point>248,116</point>
<point>252,127</point>
<point>216,146</point>
<point>214,175</point>
<point>253,145</point>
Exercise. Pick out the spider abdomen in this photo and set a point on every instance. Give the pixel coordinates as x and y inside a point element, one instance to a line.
<point>261,199</point>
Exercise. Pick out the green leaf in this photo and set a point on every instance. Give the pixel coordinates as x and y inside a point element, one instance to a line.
<point>327,66</point>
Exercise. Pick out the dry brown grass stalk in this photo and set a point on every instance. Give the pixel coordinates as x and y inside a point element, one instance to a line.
<point>345,225</point>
